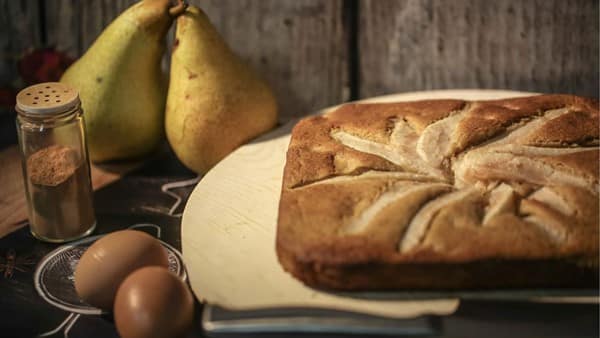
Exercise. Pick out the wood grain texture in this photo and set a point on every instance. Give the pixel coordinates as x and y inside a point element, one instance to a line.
<point>21,31</point>
<point>73,25</point>
<point>300,47</point>
<point>542,45</point>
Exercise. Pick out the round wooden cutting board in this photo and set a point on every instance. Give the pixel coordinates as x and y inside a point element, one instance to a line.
<point>229,224</point>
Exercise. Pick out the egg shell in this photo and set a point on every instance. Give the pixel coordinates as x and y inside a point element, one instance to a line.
<point>106,263</point>
<point>153,302</point>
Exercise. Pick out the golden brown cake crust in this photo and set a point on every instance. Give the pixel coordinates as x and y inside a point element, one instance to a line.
<point>432,194</point>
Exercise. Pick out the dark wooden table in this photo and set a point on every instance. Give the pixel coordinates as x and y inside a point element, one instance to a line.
<point>134,199</point>
<point>137,198</point>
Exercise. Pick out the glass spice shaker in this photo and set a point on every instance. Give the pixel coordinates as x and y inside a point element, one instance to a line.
<point>56,167</point>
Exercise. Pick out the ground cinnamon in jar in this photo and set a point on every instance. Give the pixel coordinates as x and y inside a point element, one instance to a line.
<point>56,168</point>
<point>61,203</point>
<point>52,166</point>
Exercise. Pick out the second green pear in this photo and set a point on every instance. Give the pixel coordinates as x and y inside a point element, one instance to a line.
<point>215,102</point>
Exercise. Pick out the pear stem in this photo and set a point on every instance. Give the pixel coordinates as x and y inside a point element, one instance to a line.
<point>178,9</point>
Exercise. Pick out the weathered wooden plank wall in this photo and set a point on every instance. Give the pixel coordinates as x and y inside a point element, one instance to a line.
<point>542,45</point>
<point>317,53</point>
<point>300,47</point>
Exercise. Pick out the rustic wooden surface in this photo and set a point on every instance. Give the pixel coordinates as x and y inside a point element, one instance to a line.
<point>540,46</point>
<point>317,53</point>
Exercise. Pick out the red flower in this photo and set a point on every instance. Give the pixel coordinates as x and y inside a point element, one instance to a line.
<point>43,65</point>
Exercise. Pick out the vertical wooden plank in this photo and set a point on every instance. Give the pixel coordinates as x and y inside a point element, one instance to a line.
<point>96,15</point>
<point>20,22</point>
<point>62,20</point>
<point>73,25</point>
<point>300,47</point>
<point>542,45</point>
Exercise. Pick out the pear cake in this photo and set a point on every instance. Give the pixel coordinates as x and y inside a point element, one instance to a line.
<point>444,194</point>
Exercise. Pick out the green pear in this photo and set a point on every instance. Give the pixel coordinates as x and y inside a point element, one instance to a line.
<point>121,84</point>
<point>215,101</point>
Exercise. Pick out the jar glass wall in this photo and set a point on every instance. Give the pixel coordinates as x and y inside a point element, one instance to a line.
<point>56,172</point>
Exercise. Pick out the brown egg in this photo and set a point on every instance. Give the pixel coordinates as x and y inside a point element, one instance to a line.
<point>110,260</point>
<point>153,303</point>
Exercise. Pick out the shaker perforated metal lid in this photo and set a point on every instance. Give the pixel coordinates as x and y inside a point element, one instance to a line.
<point>47,98</point>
